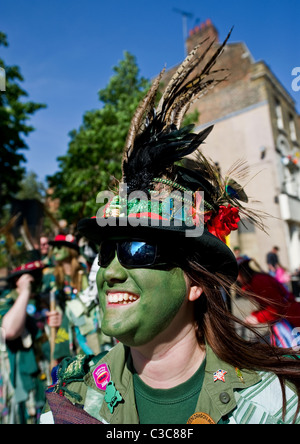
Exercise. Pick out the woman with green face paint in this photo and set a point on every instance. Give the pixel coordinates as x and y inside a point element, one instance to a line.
<point>61,254</point>
<point>65,277</point>
<point>164,269</point>
<point>67,271</point>
<point>134,311</point>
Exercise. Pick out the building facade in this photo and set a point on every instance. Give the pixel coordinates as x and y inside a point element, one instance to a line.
<point>255,120</point>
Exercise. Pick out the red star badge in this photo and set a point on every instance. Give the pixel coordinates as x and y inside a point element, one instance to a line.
<point>220,375</point>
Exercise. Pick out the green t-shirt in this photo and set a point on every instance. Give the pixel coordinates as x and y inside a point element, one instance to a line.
<point>168,406</point>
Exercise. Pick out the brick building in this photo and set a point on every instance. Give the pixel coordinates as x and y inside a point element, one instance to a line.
<point>255,119</point>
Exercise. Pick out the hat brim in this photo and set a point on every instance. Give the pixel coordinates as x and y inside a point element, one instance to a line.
<point>214,254</point>
<point>63,243</point>
<point>19,273</point>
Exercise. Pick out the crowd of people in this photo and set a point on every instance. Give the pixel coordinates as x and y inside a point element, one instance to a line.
<point>49,310</point>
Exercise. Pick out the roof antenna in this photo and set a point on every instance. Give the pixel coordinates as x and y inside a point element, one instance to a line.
<point>185,15</point>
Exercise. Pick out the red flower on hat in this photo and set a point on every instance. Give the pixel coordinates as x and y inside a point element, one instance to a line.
<point>224,222</point>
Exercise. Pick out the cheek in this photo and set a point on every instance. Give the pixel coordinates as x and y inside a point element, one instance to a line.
<point>64,253</point>
<point>99,280</point>
<point>101,293</point>
<point>165,298</point>
<point>60,254</point>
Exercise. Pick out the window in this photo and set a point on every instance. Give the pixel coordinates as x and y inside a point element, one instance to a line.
<point>278,111</point>
<point>292,128</point>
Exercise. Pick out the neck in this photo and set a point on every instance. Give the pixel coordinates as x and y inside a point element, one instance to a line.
<point>166,364</point>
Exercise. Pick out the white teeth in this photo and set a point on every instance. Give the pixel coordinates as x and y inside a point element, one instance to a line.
<point>121,298</point>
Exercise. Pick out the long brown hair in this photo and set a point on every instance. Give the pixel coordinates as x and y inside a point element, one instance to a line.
<point>217,326</point>
<point>75,268</point>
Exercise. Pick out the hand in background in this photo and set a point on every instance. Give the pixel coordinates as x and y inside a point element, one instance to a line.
<point>54,319</point>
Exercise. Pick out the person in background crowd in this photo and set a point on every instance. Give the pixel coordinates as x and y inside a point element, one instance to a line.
<point>276,305</point>
<point>283,276</point>
<point>272,260</point>
<point>45,252</point>
<point>44,246</point>
<point>23,319</point>
<point>80,314</point>
<point>276,269</point>
<point>237,253</point>
<point>65,281</point>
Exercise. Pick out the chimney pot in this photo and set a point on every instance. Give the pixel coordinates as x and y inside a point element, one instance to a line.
<point>201,32</point>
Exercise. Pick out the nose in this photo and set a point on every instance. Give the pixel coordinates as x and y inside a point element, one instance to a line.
<point>114,272</point>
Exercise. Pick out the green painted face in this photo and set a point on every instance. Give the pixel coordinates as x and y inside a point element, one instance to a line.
<point>60,254</point>
<point>139,303</point>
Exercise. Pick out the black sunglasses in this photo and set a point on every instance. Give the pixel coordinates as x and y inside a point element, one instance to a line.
<point>131,254</point>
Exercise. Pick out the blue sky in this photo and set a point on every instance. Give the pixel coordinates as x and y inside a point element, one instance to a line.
<point>66,50</point>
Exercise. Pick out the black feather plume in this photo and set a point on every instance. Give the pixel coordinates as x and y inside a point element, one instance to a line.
<point>155,140</point>
<point>156,155</point>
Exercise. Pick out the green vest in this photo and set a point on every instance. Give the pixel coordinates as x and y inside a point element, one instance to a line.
<point>228,395</point>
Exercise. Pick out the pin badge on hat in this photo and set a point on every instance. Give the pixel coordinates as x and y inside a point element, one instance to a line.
<point>220,375</point>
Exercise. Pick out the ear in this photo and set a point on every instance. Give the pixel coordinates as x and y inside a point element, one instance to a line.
<point>195,293</point>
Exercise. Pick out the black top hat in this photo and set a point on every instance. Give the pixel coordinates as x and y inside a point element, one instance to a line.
<point>27,262</point>
<point>66,240</point>
<point>207,206</point>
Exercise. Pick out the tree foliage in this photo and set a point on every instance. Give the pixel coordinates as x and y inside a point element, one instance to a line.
<point>93,159</point>
<point>15,112</point>
<point>31,188</point>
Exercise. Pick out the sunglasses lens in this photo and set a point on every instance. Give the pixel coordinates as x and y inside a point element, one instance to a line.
<point>106,253</point>
<point>136,254</point>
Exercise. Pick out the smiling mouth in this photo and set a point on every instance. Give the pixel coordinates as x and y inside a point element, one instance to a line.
<point>121,298</point>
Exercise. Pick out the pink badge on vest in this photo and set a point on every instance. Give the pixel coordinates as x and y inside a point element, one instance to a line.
<point>101,376</point>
